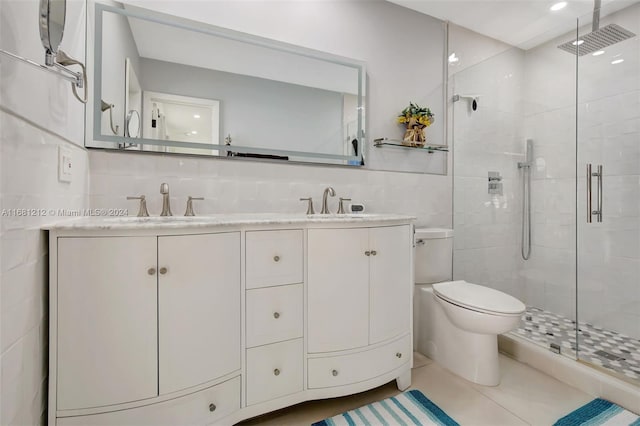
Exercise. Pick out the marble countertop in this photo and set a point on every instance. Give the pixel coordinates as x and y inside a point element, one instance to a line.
<point>207,221</point>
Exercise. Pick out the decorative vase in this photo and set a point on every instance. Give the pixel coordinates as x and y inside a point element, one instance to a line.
<point>414,135</point>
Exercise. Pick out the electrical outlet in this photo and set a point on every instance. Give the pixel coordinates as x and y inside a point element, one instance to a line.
<point>65,164</point>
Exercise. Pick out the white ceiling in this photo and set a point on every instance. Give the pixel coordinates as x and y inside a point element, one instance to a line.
<point>521,23</point>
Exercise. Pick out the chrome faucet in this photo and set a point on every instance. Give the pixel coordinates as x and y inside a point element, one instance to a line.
<point>166,206</point>
<point>328,190</point>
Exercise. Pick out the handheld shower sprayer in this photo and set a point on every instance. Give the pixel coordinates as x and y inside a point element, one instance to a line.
<point>526,200</point>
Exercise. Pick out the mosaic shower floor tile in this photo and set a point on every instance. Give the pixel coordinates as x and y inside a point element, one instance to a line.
<point>604,348</point>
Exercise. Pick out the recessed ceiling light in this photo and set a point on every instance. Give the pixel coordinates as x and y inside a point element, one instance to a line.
<point>558,6</point>
<point>617,61</point>
<point>578,42</point>
<point>196,115</point>
<point>193,132</point>
<point>453,58</point>
<point>598,53</point>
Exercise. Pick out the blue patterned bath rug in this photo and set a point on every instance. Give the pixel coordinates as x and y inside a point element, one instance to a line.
<point>599,412</point>
<point>408,408</point>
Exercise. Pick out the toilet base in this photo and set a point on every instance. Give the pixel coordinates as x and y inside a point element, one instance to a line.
<point>472,356</point>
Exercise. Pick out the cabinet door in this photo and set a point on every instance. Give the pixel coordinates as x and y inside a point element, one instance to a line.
<point>198,308</point>
<point>107,321</point>
<point>338,289</point>
<point>391,282</point>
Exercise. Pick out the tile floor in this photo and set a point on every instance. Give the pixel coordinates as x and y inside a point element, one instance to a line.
<point>524,397</point>
<point>605,348</point>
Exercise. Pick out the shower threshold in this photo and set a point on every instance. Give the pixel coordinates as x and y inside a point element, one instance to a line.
<point>613,352</point>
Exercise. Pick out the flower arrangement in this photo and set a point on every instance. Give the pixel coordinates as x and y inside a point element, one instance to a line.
<point>416,119</point>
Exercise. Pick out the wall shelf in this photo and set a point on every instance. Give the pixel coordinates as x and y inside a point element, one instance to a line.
<point>430,148</point>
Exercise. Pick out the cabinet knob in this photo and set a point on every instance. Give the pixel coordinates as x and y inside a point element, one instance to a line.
<point>367,253</point>
<point>276,372</point>
<point>151,271</point>
<point>373,252</point>
<point>276,258</point>
<point>276,315</point>
<point>334,373</point>
<point>212,407</point>
<point>399,355</point>
<point>163,270</point>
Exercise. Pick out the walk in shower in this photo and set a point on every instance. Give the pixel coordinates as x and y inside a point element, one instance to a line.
<point>567,242</point>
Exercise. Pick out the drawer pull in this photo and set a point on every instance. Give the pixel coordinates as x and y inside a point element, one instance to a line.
<point>212,407</point>
<point>276,315</point>
<point>163,270</point>
<point>367,253</point>
<point>334,373</point>
<point>373,252</point>
<point>276,258</point>
<point>276,372</point>
<point>151,271</point>
<point>399,355</point>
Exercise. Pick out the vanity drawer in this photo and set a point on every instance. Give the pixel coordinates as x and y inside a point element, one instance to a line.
<point>353,368</point>
<point>274,314</point>
<point>199,408</point>
<point>274,371</point>
<point>274,258</point>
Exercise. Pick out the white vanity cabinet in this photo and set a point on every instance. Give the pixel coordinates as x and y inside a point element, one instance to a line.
<point>106,321</point>
<point>157,313</point>
<point>357,281</point>
<point>274,314</point>
<point>359,300</point>
<point>212,321</point>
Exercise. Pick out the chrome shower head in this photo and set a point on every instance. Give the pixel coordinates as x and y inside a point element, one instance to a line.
<point>597,40</point>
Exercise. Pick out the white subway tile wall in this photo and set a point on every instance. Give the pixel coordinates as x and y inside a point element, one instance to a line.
<point>38,114</point>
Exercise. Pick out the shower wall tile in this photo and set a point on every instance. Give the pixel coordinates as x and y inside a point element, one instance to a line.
<point>487,226</point>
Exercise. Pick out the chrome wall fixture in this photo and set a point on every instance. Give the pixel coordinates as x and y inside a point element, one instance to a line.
<point>590,176</point>
<point>107,106</point>
<point>51,19</point>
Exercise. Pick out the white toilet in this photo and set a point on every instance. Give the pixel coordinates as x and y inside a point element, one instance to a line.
<point>457,323</point>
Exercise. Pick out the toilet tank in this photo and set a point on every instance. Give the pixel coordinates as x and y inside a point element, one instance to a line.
<point>434,255</point>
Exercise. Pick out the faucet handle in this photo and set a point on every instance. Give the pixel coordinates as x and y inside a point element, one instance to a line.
<point>142,211</point>
<point>310,209</point>
<point>189,211</point>
<point>340,206</point>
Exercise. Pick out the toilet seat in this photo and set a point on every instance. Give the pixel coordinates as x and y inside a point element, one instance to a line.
<point>478,298</point>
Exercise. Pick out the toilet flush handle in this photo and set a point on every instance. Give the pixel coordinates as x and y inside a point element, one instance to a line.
<point>420,242</point>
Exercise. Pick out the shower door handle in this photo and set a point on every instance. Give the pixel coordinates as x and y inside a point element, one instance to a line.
<point>590,176</point>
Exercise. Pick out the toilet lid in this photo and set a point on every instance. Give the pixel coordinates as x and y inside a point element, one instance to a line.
<point>479,298</point>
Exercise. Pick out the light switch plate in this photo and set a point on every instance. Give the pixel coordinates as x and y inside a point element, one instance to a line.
<point>65,164</point>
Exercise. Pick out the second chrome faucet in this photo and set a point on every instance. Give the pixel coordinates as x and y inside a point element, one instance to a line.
<point>166,203</point>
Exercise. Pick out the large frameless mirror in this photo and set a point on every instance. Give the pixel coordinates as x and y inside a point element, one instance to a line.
<point>200,89</point>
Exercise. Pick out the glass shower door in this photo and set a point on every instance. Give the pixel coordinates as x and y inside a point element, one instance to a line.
<point>608,198</point>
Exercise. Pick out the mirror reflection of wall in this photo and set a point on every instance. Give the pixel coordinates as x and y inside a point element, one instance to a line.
<point>271,100</point>
<point>132,100</point>
<point>180,118</point>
